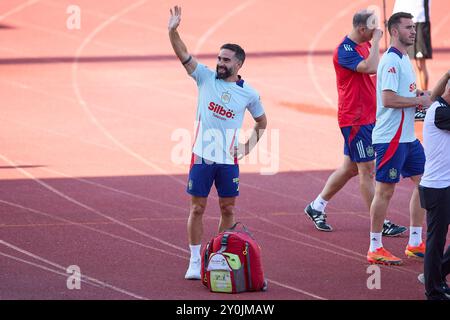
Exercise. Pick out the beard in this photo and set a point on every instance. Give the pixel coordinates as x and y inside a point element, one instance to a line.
<point>223,72</point>
<point>406,41</point>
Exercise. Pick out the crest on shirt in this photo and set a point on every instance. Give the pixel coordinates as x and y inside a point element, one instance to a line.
<point>369,151</point>
<point>226,97</point>
<point>393,173</point>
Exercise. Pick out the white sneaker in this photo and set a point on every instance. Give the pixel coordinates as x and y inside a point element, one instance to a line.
<point>193,272</point>
<point>421,278</point>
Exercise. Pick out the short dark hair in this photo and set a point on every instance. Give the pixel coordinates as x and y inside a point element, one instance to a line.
<point>239,53</point>
<point>394,20</point>
<point>360,18</point>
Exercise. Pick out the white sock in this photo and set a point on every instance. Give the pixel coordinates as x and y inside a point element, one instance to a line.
<point>195,251</point>
<point>415,236</point>
<point>375,241</point>
<point>319,204</point>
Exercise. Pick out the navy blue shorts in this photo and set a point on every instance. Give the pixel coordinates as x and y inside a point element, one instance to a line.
<point>203,173</point>
<point>358,143</point>
<point>393,160</point>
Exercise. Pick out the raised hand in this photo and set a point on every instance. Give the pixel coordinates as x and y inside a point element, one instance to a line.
<point>377,35</point>
<point>175,18</point>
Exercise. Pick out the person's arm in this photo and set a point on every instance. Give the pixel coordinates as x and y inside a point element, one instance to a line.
<point>370,64</point>
<point>244,148</point>
<point>440,86</point>
<point>391,99</point>
<point>188,61</point>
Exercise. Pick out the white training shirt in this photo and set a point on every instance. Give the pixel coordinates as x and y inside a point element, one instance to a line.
<point>414,7</point>
<point>396,73</point>
<point>436,143</point>
<point>220,113</point>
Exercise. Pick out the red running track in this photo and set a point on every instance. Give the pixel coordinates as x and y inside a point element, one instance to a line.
<point>88,130</point>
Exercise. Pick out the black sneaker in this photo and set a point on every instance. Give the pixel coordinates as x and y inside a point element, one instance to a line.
<point>318,218</point>
<point>445,287</point>
<point>419,115</point>
<point>392,230</point>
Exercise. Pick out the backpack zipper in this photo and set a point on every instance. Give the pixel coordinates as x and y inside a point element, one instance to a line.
<point>249,273</point>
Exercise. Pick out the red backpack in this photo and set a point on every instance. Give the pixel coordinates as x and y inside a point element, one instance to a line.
<point>231,262</point>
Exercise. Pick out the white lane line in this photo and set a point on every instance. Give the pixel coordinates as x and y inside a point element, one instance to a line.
<point>103,186</point>
<point>56,133</point>
<point>312,47</point>
<point>88,227</point>
<point>201,41</point>
<point>85,105</point>
<point>94,280</point>
<point>296,289</point>
<point>88,208</point>
<point>17,9</point>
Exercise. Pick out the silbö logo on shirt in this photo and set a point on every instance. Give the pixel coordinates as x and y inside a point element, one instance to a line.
<point>221,112</point>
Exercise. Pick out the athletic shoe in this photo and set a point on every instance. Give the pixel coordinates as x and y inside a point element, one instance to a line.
<point>392,230</point>
<point>193,272</point>
<point>445,287</point>
<point>419,115</point>
<point>446,290</point>
<point>415,251</point>
<point>382,256</point>
<point>319,218</point>
<point>421,278</point>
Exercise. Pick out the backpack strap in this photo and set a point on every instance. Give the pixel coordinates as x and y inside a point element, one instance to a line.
<point>224,242</point>
<point>232,229</point>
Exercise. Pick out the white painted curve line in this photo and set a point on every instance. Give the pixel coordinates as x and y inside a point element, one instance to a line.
<point>273,235</point>
<point>90,209</point>
<point>40,266</point>
<point>85,105</point>
<point>85,226</point>
<point>219,23</point>
<point>318,240</point>
<point>312,238</point>
<point>296,289</point>
<point>103,186</point>
<point>312,47</point>
<point>124,21</point>
<point>17,9</point>
<point>101,283</point>
<point>56,133</point>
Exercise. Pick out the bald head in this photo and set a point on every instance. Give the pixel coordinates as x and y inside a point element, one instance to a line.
<point>360,19</point>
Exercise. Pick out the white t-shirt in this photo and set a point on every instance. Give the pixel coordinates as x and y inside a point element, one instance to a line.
<point>414,7</point>
<point>436,143</point>
<point>220,113</point>
<point>395,73</point>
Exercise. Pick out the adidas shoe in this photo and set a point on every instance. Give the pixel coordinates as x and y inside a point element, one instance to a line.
<point>419,115</point>
<point>415,251</point>
<point>319,219</point>
<point>382,256</point>
<point>392,230</point>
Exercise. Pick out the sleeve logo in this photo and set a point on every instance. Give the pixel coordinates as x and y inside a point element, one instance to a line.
<point>392,70</point>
